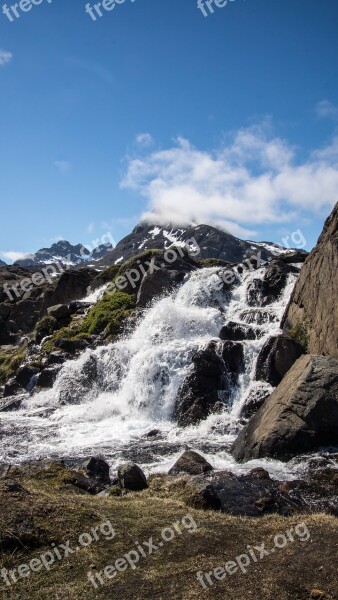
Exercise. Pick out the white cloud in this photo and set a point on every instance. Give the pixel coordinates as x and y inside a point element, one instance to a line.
<point>5,57</point>
<point>90,228</point>
<point>144,139</point>
<point>63,165</point>
<point>13,255</point>
<point>326,109</point>
<point>254,178</point>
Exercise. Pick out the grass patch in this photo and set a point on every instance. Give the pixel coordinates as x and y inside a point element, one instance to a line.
<point>41,514</point>
<point>10,362</point>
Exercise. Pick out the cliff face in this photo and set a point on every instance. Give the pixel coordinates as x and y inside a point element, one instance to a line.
<point>312,313</point>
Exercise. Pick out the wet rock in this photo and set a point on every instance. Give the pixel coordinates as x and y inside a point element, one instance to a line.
<point>192,463</point>
<point>131,477</point>
<point>253,402</point>
<point>12,403</point>
<point>233,357</point>
<point>239,332</point>
<point>257,316</point>
<point>12,387</point>
<point>158,283</point>
<point>300,416</point>
<point>262,292</point>
<point>153,433</point>
<point>56,358</point>
<point>215,370</point>
<point>276,358</point>
<point>47,377</point>
<point>25,375</point>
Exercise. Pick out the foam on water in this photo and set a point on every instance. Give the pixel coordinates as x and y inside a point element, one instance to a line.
<point>113,396</point>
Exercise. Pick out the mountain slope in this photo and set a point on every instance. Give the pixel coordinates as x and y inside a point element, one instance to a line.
<point>2,264</point>
<point>213,243</point>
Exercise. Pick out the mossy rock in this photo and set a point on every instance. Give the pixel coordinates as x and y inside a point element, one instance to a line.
<point>108,314</point>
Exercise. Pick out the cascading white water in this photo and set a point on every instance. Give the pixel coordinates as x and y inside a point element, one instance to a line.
<point>113,396</point>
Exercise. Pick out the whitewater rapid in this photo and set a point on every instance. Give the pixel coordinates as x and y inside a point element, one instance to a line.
<point>109,399</point>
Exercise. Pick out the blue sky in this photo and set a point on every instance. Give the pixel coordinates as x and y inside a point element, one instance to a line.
<point>229,119</point>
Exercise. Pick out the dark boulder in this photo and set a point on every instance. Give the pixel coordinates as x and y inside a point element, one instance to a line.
<point>59,312</point>
<point>12,388</point>
<point>215,370</point>
<point>239,332</point>
<point>156,284</point>
<point>25,375</point>
<point>12,403</point>
<point>251,495</point>
<point>131,477</point>
<point>300,416</point>
<point>55,358</point>
<point>47,377</point>
<point>276,358</point>
<point>192,463</point>
<point>97,467</point>
<point>71,346</point>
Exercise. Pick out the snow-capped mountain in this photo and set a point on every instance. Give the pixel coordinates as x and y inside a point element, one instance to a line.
<point>65,253</point>
<point>212,242</point>
<point>2,264</point>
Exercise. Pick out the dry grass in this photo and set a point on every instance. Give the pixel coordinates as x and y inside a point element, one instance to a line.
<point>301,571</point>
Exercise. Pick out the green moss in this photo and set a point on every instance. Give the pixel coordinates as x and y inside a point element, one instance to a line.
<point>108,314</point>
<point>10,362</point>
<point>73,333</point>
<point>47,325</point>
<point>300,334</point>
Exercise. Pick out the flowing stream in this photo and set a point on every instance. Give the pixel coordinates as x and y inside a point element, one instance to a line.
<point>110,398</point>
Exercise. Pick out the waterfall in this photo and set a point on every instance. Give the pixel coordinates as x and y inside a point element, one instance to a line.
<point>109,398</point>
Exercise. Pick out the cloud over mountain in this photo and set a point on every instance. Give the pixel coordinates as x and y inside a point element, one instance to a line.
<point>253,178</point>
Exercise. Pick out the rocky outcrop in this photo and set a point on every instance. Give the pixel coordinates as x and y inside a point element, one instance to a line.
<point>300,416</point>
<point>155,284</point>
<point>192,463</point>
<point>312,313</point>
<point>251,495</point>
<point>264,291</point>
<point>276,358</point>
<point>215,370</point>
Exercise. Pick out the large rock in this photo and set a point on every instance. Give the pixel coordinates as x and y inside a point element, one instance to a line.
<point>215,370</point>
<point>276,358</point>
<point>131,477</point>
<point>192,463</point>
<point>312,314</point>
<point>158,283</point>
<point>301,415</point>
<point>239,332</point>
<point>251,495</point>
<point>59,312</point>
